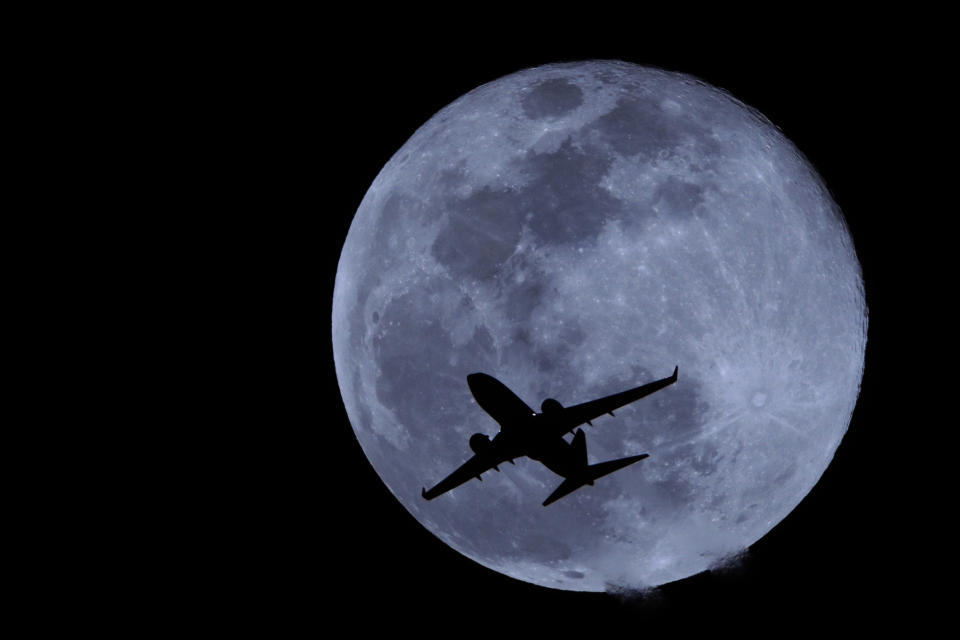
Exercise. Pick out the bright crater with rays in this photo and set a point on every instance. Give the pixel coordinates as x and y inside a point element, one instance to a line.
<point>576,230</point>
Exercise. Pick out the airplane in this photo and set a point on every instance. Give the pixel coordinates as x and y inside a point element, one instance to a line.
<point>539,436</point>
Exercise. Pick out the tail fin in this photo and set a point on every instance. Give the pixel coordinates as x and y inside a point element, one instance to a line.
<point>580,448</point>
<point>589,474</point>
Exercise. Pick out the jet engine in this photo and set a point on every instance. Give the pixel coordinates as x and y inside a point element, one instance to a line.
<point>479,442</point>
<point>551,406</point>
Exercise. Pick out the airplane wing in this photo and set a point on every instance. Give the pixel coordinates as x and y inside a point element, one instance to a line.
<point>503,406</point>
<point>575,415</point>
<point>472,468</point>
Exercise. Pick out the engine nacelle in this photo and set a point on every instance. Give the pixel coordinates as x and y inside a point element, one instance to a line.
<point>479,442</point>
<point>551,406</point>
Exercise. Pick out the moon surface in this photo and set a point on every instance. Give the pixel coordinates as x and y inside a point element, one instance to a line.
<point>576,230</point>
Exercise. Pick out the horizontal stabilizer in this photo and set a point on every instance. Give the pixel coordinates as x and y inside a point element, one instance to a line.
<point>595,471</point>
<point>588,475</point>
<point>566,487</point>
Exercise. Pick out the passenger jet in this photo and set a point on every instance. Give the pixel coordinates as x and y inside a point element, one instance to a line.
<point>539,436</point>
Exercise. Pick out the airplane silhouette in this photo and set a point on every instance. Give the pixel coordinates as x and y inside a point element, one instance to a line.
<point>539,436</point>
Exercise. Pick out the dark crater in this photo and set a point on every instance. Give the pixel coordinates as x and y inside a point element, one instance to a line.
<point>552,98</point>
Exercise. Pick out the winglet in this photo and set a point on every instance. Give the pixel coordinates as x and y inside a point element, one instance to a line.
<point>675,369</point>
<point>423,493</point>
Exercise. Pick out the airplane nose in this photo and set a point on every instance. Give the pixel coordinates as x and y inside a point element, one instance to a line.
<point>477,380</point>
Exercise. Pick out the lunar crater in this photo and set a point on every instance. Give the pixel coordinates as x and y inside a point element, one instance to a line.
<point>552,98</point>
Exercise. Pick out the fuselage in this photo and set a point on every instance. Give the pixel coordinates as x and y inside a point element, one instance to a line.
<point>532,437</point>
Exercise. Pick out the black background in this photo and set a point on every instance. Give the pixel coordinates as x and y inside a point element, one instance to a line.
<point>845,556</point>
<point>233,495</point>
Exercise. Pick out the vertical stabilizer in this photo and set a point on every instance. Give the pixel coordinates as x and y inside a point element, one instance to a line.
<point>580,449</point>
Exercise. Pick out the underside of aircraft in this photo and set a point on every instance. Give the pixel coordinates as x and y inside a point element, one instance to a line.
<point>539,436</point>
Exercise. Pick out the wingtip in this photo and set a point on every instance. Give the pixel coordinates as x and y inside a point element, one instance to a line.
<point>629,460</point>
<point>423,493</point>
<point>675,370</point>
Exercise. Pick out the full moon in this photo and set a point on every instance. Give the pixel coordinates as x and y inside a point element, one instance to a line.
<point>576,230</point>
